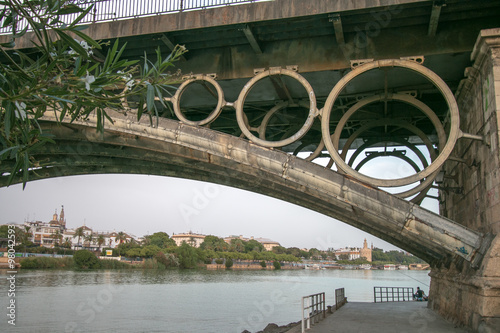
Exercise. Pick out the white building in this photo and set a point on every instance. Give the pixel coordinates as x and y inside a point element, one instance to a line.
<point>190,238</point>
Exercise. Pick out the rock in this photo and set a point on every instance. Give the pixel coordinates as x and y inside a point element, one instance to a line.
<point>273,328</point>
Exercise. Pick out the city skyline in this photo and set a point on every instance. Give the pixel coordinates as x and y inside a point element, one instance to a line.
<point>142,205</point>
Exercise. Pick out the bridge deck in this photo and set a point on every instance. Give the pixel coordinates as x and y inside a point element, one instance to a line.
<point>392,317</point>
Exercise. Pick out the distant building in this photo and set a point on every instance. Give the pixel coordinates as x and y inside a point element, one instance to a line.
<point>190,238</point>
<point>366,252</point>
<point>48,234</point>
<point>267,243</point>
<point>352,253</point>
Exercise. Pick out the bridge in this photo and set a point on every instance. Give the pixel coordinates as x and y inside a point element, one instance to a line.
<point>292,99</point>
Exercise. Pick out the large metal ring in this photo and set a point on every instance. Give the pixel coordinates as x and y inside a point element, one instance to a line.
<point>428,180</point>
<point>176,101</point>
<point>431,76</point>
<point>238,104</point>
<point>270,113</point>
<point>423,187</point>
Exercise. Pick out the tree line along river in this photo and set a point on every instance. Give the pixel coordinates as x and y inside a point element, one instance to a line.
<point>181,300</point>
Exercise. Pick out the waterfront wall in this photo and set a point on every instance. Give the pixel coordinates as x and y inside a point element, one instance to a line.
<point>470,296</point>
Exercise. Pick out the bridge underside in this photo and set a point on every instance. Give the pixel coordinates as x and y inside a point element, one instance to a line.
<point>179,150</point>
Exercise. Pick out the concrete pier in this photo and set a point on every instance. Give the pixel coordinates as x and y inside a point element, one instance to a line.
<point>392,317</point>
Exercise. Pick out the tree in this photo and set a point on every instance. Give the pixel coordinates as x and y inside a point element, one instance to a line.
<point>253,245</point>
<point>160,239</point>
<point>344,256</point>
<point>187,256</point>
<point>65,76</point>
<point>57,236</point>
<point>120,238</point>
<point>66,244</point>
<point>90,240</point>
<point>100,241</point>
<point>85,259</point>
<point>79,232</point>
<point>237,245</point>
<point>214,243</point>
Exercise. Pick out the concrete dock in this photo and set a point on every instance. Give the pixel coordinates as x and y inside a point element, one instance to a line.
<point>391,317</point>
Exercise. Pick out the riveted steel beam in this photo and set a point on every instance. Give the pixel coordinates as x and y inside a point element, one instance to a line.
<point>436,11</point>
<point>251,39</point>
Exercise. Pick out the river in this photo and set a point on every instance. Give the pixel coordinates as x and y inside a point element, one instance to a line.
<point>180,301</point>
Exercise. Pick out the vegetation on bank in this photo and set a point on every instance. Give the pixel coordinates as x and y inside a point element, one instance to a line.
<point>159,251</point>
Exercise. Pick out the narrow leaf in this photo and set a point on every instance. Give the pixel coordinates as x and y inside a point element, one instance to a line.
<point>150,101</point>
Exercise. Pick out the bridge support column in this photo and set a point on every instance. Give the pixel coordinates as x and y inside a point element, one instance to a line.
<point>470,195</point>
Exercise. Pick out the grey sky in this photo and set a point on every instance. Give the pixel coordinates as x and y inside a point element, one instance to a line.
<point>147,204</point>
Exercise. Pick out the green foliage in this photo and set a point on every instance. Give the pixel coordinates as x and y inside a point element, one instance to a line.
<point>160,239</point>
<point>114,264</point>
<point>253,246</point>
<point>168,260</point>
<point>152,264</point>
<point>394,257</point>
<point>276,265</point>
<point>149,251</point>
<point>46,263</point>
<point>4,231</point>
<point>187,256</point>
<point>214,243</point>
<point>63,76</point>
<point>85,259</point>
<point>263,264</point>
<point>229,263</point>
<point>114,252</point>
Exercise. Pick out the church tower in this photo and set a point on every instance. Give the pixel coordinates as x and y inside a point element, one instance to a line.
<point>62,220</point>
<point>366,251</point>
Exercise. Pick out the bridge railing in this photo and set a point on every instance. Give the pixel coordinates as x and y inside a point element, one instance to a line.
<point>313,310</point>
<point>340,298</point>
<point>113,10</point>
<point>392,294</point>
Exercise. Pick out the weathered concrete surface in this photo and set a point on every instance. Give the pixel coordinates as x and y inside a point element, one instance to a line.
<point>392,317</point>
<point>467,296</point>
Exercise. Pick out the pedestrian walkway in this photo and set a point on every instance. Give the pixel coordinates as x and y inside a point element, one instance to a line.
<point>389,317</point>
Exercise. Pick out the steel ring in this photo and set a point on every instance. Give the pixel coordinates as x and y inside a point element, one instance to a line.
<point>431,76</point>
<point>428,180</point>
<point>238,104</point>
<point>176,101</point>
<point>270,113</point>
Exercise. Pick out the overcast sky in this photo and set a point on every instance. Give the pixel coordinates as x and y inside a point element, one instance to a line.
<point>146,204</point>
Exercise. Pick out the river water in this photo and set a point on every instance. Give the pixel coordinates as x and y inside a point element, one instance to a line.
<point>180,301</point>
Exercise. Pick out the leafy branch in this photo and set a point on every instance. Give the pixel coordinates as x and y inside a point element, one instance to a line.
<point>63,74</point>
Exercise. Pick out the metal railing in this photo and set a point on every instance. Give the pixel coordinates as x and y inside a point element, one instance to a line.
<point>313,310</point>
<point>340,298</point>
<point>112,10</point>
<point>392,294</point>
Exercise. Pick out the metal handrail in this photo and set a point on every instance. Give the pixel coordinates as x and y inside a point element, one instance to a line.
<point>313,309</point>
<point>340,298</point>
<point>392,294</point>
<point>113,10</point>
